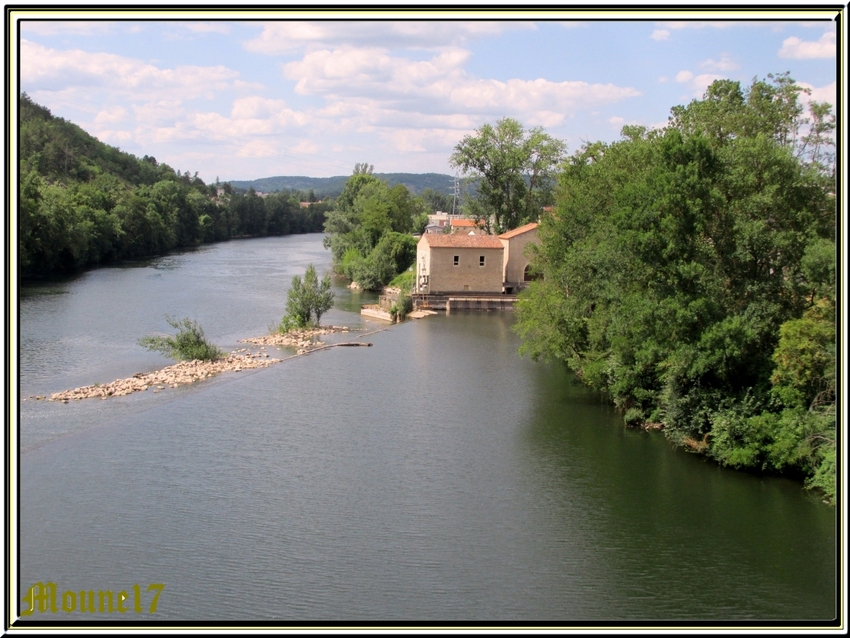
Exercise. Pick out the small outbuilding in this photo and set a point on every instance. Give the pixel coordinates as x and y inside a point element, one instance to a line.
<point>459,263</point>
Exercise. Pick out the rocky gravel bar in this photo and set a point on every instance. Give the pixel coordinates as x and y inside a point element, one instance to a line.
<point>185,372</point>
<point>303,340</point>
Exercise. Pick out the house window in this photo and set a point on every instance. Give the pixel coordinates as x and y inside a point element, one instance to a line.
<point>481,260</point>
<point>457,260</point>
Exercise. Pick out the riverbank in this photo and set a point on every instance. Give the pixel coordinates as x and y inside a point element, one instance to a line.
<point>185,372</point>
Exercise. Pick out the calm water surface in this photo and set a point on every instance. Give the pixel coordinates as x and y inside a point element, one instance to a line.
<point>434,476</point>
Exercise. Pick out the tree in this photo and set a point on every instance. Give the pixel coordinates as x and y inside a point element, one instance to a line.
<point>369,232</point>
<point>682,273</point>
<point>514,169</point>
<point>307,298</point>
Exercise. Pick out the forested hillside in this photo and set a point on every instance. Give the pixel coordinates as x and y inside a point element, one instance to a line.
<point>84,203</point>
<point>416,183</point>
<point>689,273</point>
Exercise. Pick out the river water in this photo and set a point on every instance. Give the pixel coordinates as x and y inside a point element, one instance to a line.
<point>434,476</point>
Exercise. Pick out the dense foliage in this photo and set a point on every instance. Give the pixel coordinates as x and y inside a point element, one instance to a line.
<point>513,169</point>
<point>307,299</point>
<point>84,203</point>
<point>189,343</point>
<point>369,232</point>
<point>690,274</point>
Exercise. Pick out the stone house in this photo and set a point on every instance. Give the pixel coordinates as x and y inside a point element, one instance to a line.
<point>459,263</point>
<point>516,275</point>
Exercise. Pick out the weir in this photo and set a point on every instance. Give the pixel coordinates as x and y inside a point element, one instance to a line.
<point>464,301</point>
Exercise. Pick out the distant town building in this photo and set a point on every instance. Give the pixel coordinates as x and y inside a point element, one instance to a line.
<point>468,226</point>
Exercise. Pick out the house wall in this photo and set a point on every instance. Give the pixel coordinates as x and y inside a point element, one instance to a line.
<point>422,265</point>
<point>515,259</point>
<point>467,276</point>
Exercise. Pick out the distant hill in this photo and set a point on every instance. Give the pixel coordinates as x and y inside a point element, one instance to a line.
<point>332,186</point>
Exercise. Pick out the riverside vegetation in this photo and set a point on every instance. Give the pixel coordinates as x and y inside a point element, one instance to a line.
<point>689,273</point>
<point>369,231</point>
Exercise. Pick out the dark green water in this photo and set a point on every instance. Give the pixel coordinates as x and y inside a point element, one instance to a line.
<point>434,476</point>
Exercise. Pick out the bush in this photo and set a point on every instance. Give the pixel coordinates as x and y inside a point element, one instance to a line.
<point>374,271</point>
<point>189,342</point>
<point>402,307</point>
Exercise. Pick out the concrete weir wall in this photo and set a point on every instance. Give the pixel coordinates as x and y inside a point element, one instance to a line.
<point>449,302</point>
<point>499,304</point>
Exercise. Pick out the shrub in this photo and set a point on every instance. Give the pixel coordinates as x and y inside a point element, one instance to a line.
<point>189,342</point>
<point>402,307</point>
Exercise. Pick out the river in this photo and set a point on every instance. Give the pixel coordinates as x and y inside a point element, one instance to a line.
<point>436,476</point>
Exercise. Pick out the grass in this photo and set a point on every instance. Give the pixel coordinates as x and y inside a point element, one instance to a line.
<point>404,281</point>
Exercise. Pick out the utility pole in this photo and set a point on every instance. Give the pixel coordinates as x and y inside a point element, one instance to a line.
<point>456,195</point>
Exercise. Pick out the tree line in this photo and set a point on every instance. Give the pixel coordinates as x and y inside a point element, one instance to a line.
<point>84,203</point>
<point>689,274</point>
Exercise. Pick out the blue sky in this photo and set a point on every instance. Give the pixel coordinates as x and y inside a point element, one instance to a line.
<point>251,99</point>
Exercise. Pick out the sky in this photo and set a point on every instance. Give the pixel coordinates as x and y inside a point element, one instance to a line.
<point>245,99</point>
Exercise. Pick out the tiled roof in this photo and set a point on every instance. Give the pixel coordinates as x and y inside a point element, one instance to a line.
<point>466,223</point>
<point>518,231</point>
<point>462,241</point>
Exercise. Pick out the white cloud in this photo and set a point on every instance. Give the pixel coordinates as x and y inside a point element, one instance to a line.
<point>660,34</point>
<point>43,68</point>
<point>701,82</point>
<point>257,148</point>
<point>439,85</point>
<point>616,120</point>
<point>111,114</point>
<point>796,49</point>
<point>417,140</point>
<point>698,83</point>
<point>278,38</point>
<point>819,94</point>
<point>113,137</point>
<point>307,147</point>
<point>724,64</point>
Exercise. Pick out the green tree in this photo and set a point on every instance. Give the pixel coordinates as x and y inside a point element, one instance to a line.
<point>369,232</point>
<point>681,270</point>
<point>306,299</point>
<point>513,168</point>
